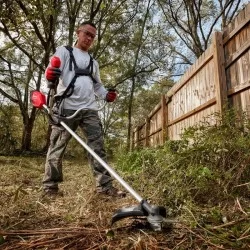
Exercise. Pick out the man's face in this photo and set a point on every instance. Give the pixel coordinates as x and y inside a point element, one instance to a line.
<point>86,35</point>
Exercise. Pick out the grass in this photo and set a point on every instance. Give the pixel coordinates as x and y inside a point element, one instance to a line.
<point>30,222</point>
<point>21,195</point>
<point>81,219</point>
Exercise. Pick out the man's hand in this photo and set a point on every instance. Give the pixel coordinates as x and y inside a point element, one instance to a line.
<point>111,95</point>
<point>52,74</point>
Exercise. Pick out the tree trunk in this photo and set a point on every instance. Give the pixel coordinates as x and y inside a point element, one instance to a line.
<point>27,131</point>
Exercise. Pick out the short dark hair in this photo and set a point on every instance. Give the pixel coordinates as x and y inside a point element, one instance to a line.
<point>87,22</point>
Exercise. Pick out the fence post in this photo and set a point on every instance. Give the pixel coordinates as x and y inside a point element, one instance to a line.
<point>147,128</point>
<point>135,138</point>
<point>163,118</point>
<point>219,72</point>
<point>132,144</point>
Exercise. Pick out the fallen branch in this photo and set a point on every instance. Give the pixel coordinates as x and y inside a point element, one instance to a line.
<point>230,223</point>
<point>48,231</point>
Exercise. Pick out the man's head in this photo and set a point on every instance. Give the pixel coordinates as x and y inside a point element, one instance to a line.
<point>86,33</point>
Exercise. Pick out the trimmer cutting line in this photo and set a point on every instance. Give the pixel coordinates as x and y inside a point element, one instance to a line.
<point>155,214</point>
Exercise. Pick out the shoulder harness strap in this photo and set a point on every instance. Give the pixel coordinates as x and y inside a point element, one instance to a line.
<point>72,58</point>
<point>73,61</point>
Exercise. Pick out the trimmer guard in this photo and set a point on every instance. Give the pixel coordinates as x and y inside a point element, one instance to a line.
<point>125,212</point>
<point>154,214</point>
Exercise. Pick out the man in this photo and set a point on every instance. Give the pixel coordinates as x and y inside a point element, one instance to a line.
<point>79,81</point>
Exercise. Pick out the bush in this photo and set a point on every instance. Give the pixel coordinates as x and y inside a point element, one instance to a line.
<point>8,127</point>
<point>210,163</point>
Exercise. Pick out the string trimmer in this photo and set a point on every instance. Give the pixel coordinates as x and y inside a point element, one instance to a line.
<point>155,215</point>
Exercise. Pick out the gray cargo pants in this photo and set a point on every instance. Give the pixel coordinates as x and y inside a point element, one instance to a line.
<point>89,122</point>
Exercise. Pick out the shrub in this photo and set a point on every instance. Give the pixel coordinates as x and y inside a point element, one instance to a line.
<point>208,164</point>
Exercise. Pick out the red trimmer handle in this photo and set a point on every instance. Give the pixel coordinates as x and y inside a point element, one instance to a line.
<point>55,62</point>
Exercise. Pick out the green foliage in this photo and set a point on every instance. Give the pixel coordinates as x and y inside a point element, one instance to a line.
<point>9,139</point>
<point>136,161</point>
<point>208,164</point>
<point>39,132</point>
<point>2,240</point>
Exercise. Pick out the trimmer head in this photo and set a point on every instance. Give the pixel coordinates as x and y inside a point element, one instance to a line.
<point>155,215</point>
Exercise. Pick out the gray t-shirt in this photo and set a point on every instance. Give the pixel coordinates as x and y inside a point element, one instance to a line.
<point>85,89</point>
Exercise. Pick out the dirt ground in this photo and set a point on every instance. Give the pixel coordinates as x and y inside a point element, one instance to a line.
<point>81,219</point>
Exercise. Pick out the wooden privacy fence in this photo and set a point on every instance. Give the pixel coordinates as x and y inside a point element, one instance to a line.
<point>220,76</point>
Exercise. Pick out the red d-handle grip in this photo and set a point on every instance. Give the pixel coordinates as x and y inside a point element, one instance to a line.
<point>55,62</point>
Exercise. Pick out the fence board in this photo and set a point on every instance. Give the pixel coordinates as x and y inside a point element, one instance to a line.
<point>236,49</point>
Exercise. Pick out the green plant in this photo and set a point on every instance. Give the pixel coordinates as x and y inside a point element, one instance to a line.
<point>209,163</point>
